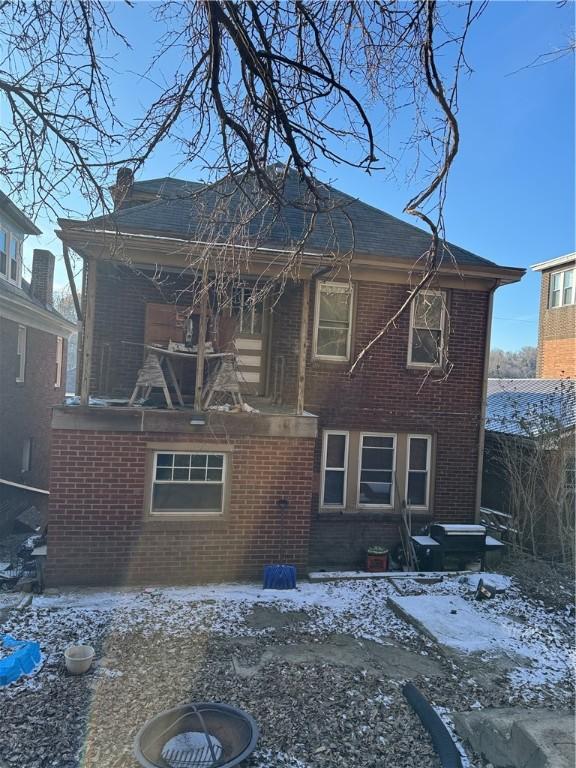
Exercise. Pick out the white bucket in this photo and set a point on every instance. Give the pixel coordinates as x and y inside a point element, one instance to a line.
<point>78,658</point>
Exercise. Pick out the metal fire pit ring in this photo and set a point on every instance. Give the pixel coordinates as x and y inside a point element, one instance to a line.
<point>200,735</point>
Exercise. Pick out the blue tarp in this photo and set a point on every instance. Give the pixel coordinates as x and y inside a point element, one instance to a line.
<point>23,660</point>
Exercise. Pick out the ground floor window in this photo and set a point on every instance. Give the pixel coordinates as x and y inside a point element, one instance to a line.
<point>188,483</point>
<point>376,485</point>
<point>418,470</point>
<point>334,461</point>
<point>375,470</point>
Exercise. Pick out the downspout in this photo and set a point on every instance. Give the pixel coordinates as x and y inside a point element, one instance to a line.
<point>482,430</point>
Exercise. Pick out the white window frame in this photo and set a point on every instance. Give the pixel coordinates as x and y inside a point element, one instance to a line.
<point>59,361</point>
<point>316,354</point>
<point>18,279</point>
<point>428,470</point>
<point>394,437</point>
<point>411,363</point>
<point>189,513</point>
<point>21,352</point>
<point>562,272</point>
<point>346,435</point>
<point>6,252</point>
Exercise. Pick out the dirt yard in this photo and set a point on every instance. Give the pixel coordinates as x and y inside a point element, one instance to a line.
<point>320,669</point>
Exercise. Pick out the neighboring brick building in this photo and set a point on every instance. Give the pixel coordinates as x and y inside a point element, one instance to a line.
<point>557,322</point>
<point>32,363</point>
<point>147,494</point>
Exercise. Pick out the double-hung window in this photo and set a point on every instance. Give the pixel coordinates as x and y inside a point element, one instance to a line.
<point>377,464</point>
<point>333,321</point>
<point>418,471</point>
<point>59,360</point>
<point>15,257</point>
<point>562,288</point>
<point>427,327</point>
<point>335,469</point>
<point>188,483</point>
<point>21,354</point>
<point>3,253</point>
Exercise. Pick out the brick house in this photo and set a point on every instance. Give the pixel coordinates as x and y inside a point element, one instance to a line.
<point>147,493</point>
<point>557,319</point>
<point>33,339</point>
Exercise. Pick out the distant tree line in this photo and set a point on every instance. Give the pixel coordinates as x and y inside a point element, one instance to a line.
<point>513,365</point>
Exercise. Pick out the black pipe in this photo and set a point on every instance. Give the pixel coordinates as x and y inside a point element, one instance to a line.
<point>442,740</point>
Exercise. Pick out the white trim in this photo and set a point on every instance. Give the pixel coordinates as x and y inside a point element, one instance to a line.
<point>21,353</point>
<point>189,513</point>
<point>343,469</point>
<point>24,487</point>
<point>394,437</point>
<point>442,329</point>
<point>19,310</point>
<point>558,261</point>
<point>4,275</point>
<point>333,358</point>
<point>59,361</point>
<point>562,272</point>
<point>428,470</point>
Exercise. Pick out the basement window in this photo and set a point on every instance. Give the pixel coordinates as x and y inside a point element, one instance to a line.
<point>188,483</point>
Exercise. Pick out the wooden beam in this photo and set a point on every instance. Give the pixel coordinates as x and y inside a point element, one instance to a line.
<point>88,329</point>
<point>70,274</point>
<point>303,347</point>
<point>201,339</point>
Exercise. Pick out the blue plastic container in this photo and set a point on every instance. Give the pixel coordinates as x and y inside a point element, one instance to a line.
<point>279,577</point>
<point>23,660</point>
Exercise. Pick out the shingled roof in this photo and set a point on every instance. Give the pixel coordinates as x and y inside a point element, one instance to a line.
<point>211,213</point>
<point>525,407</point>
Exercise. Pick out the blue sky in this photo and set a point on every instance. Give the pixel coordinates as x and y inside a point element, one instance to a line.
<point>511,192</point>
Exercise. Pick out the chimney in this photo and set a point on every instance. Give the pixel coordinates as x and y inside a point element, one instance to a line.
<point>42,280</point>
<point>121,190</point>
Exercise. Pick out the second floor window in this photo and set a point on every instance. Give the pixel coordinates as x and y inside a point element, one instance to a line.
<point>3,253</point>
<point>59,358</point>
<point>427,321</point>
<point>333,321</point>
<point>561,288</point>
<point>15,256</point>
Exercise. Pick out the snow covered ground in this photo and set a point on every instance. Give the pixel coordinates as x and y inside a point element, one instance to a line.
<point>157,646</point>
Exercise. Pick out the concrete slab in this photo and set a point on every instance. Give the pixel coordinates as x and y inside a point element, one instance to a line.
<point>452,622</point>
<point>346,651</point>
<point>520,738</point>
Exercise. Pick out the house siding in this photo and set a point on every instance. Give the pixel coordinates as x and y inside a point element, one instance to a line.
<point>556,336</point>
<point>25,407</point>
<point>100,532</point>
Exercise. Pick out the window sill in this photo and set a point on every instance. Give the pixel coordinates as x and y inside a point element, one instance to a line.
<point>361,513</point>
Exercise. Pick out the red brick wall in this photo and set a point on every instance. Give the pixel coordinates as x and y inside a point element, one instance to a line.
<point>25,407</point>
<point>385,396</point>
<point>556,337</point>
<point>100,534</point>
